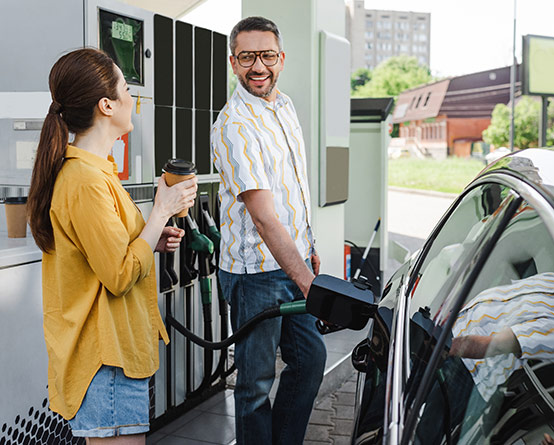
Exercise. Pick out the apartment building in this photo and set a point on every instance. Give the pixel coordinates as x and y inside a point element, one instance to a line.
<point>376,35</point>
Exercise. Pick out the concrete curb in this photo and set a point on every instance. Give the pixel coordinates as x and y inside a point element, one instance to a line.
<point>423,192</point>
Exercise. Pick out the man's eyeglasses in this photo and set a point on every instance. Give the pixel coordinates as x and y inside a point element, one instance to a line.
<point>248,58</point>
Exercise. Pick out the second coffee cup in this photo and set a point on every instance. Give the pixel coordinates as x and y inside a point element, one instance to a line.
<point>178,170</point>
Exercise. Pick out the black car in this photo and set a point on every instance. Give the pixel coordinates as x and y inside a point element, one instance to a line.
<point>461,346</point>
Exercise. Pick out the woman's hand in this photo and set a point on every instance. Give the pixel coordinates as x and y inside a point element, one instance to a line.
<point>170,239</point>
<point>168,202</point>
<point>171,200</point>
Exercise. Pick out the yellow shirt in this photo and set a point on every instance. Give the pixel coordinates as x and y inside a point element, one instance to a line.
<point>99,284</point>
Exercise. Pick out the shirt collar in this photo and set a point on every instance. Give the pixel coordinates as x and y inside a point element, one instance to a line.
<point>107,165</point>
<point>257,103</point>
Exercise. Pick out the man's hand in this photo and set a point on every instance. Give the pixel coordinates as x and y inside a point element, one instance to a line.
<point>170,239</point>
<point>316,262</point>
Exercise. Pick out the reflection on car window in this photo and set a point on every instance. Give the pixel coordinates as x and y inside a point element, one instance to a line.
<point>494,381</point>
<point>448,258</point>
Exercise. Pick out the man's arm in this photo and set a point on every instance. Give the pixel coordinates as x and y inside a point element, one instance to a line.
<point>259,204</point>
<point>480,346</point>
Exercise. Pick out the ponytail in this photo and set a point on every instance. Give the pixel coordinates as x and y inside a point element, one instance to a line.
<point>78,80</point>
<point>48,163</point>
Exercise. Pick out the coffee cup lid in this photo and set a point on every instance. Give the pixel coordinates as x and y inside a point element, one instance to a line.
<point>16,200</point>
<point>179,167</point>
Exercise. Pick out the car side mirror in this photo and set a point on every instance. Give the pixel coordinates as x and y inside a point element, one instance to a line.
<point>340,302</point>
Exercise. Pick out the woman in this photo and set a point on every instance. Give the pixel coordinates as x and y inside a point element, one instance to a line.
<point>101,319</point>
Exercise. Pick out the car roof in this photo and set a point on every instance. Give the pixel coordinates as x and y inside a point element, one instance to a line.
<point>535,166</point>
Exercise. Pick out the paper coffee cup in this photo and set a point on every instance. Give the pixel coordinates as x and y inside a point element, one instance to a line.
<point>16,216</point>
<point>178,170</point>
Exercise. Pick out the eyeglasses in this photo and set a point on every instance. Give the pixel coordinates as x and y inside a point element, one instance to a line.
<point>248,58</point>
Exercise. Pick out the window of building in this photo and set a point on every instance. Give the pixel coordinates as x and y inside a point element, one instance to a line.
<point>369,23</point>
<point>427,99</point>
<point>418,101</point>
<point>369,45</point>
<point>369,34</point>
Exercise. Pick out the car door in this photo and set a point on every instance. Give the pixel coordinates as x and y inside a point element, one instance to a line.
<point>479,350</point>
<point>405,326</point>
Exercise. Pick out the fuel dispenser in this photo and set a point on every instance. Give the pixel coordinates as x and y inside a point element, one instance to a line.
<point>365,212</point>
<point>177,76</point>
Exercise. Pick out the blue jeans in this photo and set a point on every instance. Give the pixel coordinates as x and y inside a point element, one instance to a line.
<point>114,405</point>
<point>302,349</point>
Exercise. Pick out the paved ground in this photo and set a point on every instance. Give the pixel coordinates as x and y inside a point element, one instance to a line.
<point>333,416</point>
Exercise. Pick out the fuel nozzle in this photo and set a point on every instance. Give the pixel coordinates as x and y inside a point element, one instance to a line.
<point>199,242</point>
<point>213,233</point>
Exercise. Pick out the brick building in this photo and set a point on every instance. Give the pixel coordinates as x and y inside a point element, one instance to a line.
<point>447,117</point>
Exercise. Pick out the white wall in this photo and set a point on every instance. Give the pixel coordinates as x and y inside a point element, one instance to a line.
<point>300,23</point>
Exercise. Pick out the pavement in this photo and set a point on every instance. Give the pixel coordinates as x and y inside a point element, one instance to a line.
<point>411,218</point>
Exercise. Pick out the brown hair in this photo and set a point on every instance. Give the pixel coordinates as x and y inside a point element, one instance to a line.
<point>78,80</point>
<point>254,24</point>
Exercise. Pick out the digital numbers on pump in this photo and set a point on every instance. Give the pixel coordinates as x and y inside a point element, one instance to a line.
<point>122,31</point>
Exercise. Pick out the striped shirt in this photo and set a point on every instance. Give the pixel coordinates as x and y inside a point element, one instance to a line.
<point>258,145</point>
<point>527,308</point>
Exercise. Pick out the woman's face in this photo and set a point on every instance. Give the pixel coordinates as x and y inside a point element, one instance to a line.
<point>124,105</point>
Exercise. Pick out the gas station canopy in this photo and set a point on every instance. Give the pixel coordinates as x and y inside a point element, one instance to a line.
<point>169,8</point>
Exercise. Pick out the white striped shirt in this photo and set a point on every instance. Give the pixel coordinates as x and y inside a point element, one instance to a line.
<point>527,308</point>
<point>258,145</point>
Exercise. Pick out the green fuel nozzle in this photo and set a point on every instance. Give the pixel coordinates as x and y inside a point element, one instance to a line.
<point>199,242</point>
<point>213,233</point>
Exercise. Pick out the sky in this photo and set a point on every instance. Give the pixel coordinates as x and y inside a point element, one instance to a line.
<point>466,35</point>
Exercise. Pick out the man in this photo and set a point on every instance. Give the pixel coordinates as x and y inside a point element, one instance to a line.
<point>267,247</point>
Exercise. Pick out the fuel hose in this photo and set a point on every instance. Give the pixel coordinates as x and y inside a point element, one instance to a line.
<point>295,307</point>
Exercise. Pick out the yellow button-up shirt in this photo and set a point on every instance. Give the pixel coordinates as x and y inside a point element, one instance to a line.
<point>99,284</point>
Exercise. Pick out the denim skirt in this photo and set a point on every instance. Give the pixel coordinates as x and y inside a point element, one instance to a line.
<point>114,405</point>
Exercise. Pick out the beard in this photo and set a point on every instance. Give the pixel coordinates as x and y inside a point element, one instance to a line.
<point>258,92</point>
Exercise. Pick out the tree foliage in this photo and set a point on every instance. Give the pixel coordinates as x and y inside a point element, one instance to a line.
<point>526,124</point>
<point>359,77</point>
<point>391,77</point>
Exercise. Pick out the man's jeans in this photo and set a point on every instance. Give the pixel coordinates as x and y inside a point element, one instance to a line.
<point>302,349</point>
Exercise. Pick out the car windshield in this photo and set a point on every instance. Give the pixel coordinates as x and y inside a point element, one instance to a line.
<point>496,370</point>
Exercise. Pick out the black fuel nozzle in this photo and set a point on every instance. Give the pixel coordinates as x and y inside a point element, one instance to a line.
<point>339,302</point>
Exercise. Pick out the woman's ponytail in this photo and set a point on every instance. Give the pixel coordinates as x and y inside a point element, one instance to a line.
<point>48,163</point>
<point>78,80</point>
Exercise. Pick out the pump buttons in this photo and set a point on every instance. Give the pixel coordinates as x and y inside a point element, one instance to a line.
<point>148,53</point>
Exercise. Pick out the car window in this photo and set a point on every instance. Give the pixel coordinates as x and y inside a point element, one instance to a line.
<point>446,259</point>
<point>496,374</point>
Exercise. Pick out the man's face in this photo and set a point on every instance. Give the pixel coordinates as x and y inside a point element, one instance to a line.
<point>258,79</point>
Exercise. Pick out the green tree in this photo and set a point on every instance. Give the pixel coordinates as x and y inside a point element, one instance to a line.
<point>359,77</point>
<point>526,124</point>
<point>393,76</point>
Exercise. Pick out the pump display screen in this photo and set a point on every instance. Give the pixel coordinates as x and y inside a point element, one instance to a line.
<point>123,39</point>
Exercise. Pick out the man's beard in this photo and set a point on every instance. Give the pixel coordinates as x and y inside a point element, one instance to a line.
<point>257,92</point>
